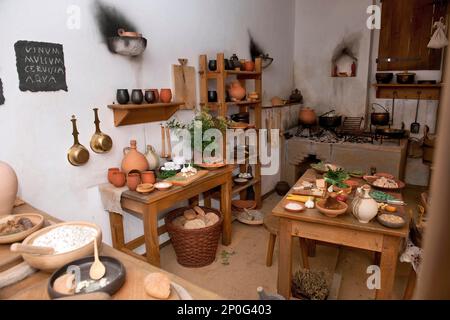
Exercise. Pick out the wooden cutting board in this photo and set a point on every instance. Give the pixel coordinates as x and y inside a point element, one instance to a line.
<point>184,84</point>
<point>179,180</point>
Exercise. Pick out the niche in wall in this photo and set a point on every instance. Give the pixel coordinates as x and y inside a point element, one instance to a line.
<point>344,60</point>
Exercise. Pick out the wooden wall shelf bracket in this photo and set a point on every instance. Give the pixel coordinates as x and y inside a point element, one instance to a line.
<point>128,114</point>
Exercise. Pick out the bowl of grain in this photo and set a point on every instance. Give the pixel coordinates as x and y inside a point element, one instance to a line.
<point>70,241</point>
<point>390,220</point>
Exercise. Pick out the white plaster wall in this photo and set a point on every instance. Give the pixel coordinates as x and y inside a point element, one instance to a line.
<point>320,26</point>
<point>35,131</point>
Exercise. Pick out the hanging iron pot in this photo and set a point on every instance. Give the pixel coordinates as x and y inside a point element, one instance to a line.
<point>379,118</point>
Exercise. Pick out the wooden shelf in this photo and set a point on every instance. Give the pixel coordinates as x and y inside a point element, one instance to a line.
<point>216,105</point>
<point>238,189</point>
<point>127,114</point>
<point>408,91</point>
<point>228,73</point>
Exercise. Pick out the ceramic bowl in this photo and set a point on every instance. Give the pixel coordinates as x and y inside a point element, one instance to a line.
<point>162,186</point>
<point>330,212</point>
<point>36,219</point>
<point>390,224</point>
<point>294,207</point>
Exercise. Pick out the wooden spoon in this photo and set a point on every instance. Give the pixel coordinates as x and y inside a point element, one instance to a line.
<point>98,269</point>
<point>24,248</point>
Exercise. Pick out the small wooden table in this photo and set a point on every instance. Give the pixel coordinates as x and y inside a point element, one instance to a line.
<point>344,230</point>
<point>34,287</point>
<point>146,207</point>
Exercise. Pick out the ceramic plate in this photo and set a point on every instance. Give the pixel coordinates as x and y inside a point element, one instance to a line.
<point>36,219</point>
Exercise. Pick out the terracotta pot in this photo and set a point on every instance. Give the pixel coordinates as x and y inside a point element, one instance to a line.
<point>237,92</point>
<point>8,188</point>
<point>249,65</point>
<point>118,179</point>
<point>133,159</point>
<point>165,95</point>
<point>133,180</point>
<point>111,173</point>
<point>148,177</point>
<point>307,116</point>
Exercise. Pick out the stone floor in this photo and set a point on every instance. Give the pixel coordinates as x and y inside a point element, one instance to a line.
<point>239,274</point>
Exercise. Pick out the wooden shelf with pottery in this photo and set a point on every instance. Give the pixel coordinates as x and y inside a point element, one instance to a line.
<point>128,114</point>
<point>408,91</point>
<point>216,105</point>
<point>221,106</point>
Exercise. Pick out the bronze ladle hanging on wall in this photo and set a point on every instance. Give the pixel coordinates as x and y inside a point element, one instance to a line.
<point>100,142</point>
<point>77,155</point>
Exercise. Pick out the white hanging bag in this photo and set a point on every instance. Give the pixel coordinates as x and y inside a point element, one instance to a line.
<point>439,38</point>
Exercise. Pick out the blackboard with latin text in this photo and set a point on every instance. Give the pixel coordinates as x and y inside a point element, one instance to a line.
<point>2,97</point>
<point>40,66</point>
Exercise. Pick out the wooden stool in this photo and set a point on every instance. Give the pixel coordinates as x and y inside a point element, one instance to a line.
<point>271,223</point>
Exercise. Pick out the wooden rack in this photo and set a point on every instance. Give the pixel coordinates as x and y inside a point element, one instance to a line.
<point>408,91</point>
<point>127,114</point>
<point>221,107</point>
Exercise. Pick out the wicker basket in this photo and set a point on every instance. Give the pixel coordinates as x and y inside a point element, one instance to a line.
<point>194,248</point>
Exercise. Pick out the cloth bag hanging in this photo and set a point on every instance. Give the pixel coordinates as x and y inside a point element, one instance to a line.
<point>439,38</point>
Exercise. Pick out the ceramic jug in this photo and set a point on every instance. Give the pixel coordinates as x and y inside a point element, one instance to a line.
<point>8,188</point>
<point>237,92</point>
<point>133,159</point>
<point>364,207</point>
<point>152,158</point>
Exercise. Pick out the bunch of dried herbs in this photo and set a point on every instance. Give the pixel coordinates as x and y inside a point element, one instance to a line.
<point>310,284</point>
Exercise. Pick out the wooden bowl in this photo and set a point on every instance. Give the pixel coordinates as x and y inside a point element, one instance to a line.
<point>330,212</point>
<point>212,166</point>
<point>51,262</point>
<point>145,188</point>
<point>240,205</point>
<point>36,219</point>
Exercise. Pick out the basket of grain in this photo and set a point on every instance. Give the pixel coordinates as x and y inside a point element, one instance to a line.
<point>69,240</point>
<point>195,234</point>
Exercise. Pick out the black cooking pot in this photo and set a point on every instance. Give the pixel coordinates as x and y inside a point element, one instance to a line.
<point>329,121</point>
<point>379,118</point>
<point>241,117</point>
<point>406,77</point>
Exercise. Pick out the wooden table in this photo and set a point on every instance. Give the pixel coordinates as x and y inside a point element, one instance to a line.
<point>146,207</point>
<point>35,286</point>
<point>344,230</point>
